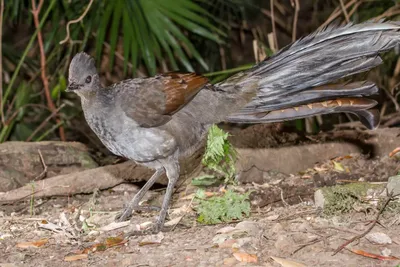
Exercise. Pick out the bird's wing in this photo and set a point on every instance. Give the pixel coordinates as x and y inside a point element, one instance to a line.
<point>154,100</point>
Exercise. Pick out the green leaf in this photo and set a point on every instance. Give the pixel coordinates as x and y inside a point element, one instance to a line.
<point>231,206</point>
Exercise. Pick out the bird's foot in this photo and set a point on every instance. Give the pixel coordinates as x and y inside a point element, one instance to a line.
<point>155,228</point>
<point>127,211</point>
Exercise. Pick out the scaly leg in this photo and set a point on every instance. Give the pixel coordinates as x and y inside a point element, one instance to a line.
<point>172,169</point>
<point>134,203</point>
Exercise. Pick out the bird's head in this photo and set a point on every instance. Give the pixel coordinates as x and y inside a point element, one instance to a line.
<point>83,77</point>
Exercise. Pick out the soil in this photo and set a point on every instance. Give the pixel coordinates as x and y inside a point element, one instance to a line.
<point>291,230</point>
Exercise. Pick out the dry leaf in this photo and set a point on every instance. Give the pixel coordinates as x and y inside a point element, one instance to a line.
<point>245,257</point>
<point>373,256</point>
<point>76,257</point>
<point>230,261</point>
<point>33,244</point>
<point>152,239</point>
<point>287,263</point>
<point>227,243</point>
<point>173,222</point>
<point>394,152</point>
<point>115,241</point>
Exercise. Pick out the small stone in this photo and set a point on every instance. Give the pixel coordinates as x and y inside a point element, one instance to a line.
<point>379,238</point>
<point>252,228</point>
<point>393,185</point>
<point>386,252</point>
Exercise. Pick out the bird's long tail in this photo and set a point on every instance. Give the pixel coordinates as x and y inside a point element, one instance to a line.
<point>296,82</point>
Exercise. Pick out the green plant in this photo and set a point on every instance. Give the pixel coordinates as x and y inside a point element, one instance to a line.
<point>219,157</point>
<point>225,208</point>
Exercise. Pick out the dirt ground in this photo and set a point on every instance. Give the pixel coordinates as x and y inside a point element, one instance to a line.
<point>79,231</point>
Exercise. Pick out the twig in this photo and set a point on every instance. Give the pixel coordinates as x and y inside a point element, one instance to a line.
<point>44,172</point>
<point>374,222</point>
<point>336,13</point>
<point>76,21</point>
<point>273,25</point>
<point>346,15</point>
<point>35,12</point>
<point>295,19</point>
<point>52,115</point>
<point>187,210</point>
<point>316,240</point>
<point>1,63</point>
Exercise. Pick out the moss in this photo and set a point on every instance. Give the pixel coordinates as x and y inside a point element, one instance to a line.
<point>342,198</point>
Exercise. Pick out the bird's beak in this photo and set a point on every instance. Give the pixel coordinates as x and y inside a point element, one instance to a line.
<point>72,87</point>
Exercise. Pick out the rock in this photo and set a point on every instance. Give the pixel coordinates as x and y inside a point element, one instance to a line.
<point>393,184</point>
<point>379,238</point>
<point>252,228</point>
<point>20,162</point>
<point>386,252</point>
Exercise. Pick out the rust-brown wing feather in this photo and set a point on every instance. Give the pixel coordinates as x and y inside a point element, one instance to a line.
<point>180,88</point>
<point>152,101</point>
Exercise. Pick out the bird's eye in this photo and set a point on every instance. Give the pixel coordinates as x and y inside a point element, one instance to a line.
<point>88,79</point>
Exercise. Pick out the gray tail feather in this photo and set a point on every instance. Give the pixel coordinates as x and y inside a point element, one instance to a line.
<point>358,106</point>
<point>295,75</point>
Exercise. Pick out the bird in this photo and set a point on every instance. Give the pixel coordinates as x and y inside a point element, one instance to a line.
<point>156,121</point>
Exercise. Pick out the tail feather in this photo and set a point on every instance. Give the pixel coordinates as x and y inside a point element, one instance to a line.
<point>357,106</point>
<point>324,92</point>
<point>295,76</point>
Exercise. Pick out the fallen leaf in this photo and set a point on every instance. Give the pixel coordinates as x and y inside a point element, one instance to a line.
<point>173,222</point>
<point>152,239</point>
<point>287,263</point>
<point>143,226</point>
<point>338,166</point>
<point>209,194</point>
<point>394,152</point>
<point>33,244</point>
<point>227,243</point>
<point>372,255</point>
<point>230,261</point>
<point>76,257</point>
<point>115,241</point>
<point>245,257</point>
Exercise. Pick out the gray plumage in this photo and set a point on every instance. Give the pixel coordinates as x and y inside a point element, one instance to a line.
<point>156,121</point>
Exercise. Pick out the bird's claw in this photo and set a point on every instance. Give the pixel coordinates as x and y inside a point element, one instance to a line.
<point>127,212</point>
<point>124,215</point>
<point>153,229</point>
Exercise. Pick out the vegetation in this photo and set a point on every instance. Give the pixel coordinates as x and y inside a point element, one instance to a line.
<point>226,208</point>
<point>144,37</point>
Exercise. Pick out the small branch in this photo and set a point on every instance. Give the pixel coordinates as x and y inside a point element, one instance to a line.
<point>295,19</point>
<point>35,12</point>
<point>346,15</point>
<point>44,172</point>
<point>273,25</point>
<point>1,62</point>
<point>76,21</point>
<point>374,222</point>
<point>336,13</point>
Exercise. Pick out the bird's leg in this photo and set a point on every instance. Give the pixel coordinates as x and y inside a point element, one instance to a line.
<point>134,203</point>
<point>172,170</point>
